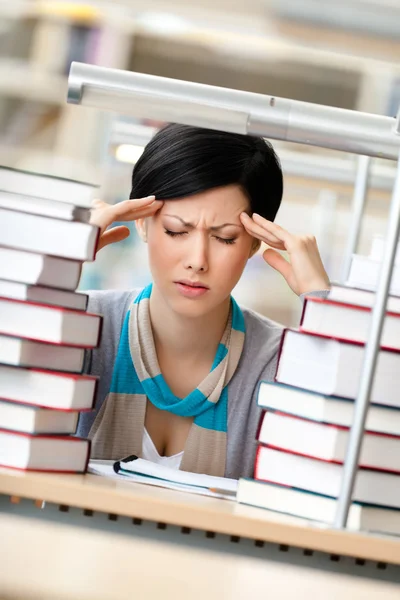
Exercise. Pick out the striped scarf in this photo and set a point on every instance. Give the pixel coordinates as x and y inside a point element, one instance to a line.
<point>118,428</point>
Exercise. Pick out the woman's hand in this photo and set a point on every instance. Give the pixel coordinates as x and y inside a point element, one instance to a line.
<point>103,215</point>
<point>304,272</point>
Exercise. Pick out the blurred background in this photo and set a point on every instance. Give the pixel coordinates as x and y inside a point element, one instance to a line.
<point>344,53</point>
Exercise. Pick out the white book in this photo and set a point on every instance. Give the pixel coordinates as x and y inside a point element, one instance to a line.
<point>48,389</point>
<point>44,207</point>
<point>326,441</point>
<point>316,507</point>
<point>49,323</point>
<point>378,249</point>
<point>325,409</point>
<point>358,297</point>
<point>45,235</point>
<point>43,295</point>
<point>322,477</point>
<point>364,274</point>
<point>27,353</point>
<point>346,321</point>
<point>49,187</point>
<point>33,268</point>
<point>43,452</point>
<point>333,367</point>
<point>32,419</point>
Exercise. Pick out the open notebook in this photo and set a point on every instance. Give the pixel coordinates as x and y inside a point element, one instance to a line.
<point>138,470</point>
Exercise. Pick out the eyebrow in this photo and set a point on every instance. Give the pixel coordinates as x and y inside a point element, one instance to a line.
<point>214,228</point>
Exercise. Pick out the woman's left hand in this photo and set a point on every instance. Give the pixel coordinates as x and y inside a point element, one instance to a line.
<point>304,272</point>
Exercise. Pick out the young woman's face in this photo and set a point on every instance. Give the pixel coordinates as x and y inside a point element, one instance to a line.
<point>198,249</point>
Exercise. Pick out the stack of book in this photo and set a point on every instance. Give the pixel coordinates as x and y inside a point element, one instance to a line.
<point>308,411</point>
<point>45,236</point>
<point>364,270</point>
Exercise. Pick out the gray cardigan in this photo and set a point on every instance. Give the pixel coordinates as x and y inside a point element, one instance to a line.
<point>257,363</point>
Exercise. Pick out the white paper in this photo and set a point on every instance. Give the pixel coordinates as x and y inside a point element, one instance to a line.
<point>105,469</point>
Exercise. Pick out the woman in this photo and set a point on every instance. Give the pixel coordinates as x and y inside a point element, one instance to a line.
<point>179,361</point>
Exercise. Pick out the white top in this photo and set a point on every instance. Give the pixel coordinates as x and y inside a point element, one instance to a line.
<point>149,452</point>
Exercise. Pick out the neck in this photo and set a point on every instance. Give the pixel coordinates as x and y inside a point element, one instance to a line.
<point>184,337</point>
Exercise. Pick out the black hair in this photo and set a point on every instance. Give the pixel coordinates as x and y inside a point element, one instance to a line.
<point>181,161</point>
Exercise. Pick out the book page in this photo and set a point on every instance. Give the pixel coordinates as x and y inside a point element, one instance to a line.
<point>105,469</point>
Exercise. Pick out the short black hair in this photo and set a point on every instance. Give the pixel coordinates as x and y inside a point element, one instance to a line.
<point>181,161</point>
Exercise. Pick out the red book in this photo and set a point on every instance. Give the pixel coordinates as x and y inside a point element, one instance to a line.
<point>22,352</point>
<point>43,295</point>
<point>38,269</point>
<point>347,321</point>
<point>325,409</point>
<point>60,454</point>
<point>48,323</point>
<point>352,295</point>
<point>327,442</point>
<point>333,366</point>
<point>27,418</point>
<point>48,389</point>
<point>381,488</point>
<point>48,235</point>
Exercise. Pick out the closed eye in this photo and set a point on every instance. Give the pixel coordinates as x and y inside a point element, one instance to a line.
<point>174,233</point>
<point>220,239</point>
<point>225,240</point>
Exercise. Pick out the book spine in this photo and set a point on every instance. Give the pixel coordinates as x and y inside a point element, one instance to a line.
<point>100,331</point>
<point>280,350</point>
<point>260,422</point>
<point>96,243</point>
<point>303,311</point>
<point>89,446</point>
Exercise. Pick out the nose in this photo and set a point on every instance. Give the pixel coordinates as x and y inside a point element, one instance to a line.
<point>196,254</point>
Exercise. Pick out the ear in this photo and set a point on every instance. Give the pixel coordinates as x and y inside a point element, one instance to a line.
<point>141,228</point>
<point>255,247</point>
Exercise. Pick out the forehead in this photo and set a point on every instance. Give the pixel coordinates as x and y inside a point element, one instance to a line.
<point>228,201</point>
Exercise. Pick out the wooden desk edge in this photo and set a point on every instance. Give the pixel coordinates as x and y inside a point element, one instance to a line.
<point>197,512</point>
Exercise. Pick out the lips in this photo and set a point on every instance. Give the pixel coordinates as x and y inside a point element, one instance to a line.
<point>191,289</point>
<point>194,284</point>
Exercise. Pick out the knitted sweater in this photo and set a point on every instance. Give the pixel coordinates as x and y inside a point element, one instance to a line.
<point>258,363</point>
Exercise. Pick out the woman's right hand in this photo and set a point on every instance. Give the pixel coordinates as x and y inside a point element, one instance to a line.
<point>103,215</point>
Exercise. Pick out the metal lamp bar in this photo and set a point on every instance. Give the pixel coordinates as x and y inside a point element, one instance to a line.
<point>370,358</point>
<point>148,96</point>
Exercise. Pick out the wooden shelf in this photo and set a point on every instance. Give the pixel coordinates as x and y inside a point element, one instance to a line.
<point>197,512</point>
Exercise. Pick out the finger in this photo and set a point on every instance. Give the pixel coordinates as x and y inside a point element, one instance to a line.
<point>274,229</point>
<point>97,203</point>
<point>133,213</point>
<point>277,262</point>
<point>132,205</point>
<point>111,236</point>
<point>248,222</point>
<point>104,217</point>
<point>261,234</point>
